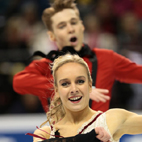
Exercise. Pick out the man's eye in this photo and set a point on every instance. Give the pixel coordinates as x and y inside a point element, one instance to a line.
<point>61,27</point>
<point>74,23</point>
<point>80,81</point>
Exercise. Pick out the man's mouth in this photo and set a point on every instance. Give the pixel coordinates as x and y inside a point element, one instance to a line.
<point>73,39</point>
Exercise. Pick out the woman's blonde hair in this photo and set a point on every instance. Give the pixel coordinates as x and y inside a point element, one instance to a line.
<point>56,110</point>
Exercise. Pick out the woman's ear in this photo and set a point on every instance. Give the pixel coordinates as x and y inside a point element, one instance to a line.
<point>51,36</point>
<point>56,91</point>
<point>90,87</point>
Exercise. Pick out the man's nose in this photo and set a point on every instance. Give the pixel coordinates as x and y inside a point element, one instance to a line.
<point>74,89</point>
<point>70,28</point>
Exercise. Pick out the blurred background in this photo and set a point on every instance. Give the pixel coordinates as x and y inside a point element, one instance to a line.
<point>110,24</point>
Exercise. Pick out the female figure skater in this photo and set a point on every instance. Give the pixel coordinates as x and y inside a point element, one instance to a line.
<point>70,114</point>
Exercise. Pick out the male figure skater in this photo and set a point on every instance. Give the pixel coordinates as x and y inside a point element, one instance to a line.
<point>65,28</point>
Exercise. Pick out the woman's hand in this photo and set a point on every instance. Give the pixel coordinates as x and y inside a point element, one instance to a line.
<point>102,134</point>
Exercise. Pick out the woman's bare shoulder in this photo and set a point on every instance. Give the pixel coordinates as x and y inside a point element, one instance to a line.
<point>115,118</point>
<point>42,133</point>
<point>116,111</point>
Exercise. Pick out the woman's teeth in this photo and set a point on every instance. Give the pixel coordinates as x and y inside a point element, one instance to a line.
<point>75,98</point>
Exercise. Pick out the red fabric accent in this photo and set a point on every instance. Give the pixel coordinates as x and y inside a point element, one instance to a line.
<point>90,123</point>
<point>34,135</point>
<point>36,78</point>
<point>111,67</point>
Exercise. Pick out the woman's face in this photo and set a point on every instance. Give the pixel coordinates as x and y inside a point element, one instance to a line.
<point>73,86</point>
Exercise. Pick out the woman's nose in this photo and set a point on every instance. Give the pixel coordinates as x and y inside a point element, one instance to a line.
<point>74,89</point>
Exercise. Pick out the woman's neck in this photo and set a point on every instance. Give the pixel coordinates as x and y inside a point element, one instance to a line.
<point>78,117</point>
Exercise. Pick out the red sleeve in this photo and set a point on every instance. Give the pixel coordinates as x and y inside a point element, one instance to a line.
<point>126,70</point>
<point>35,79</point>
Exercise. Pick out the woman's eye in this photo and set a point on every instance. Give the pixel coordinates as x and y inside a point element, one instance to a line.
<point>80,81</point>
<point>65,84</point>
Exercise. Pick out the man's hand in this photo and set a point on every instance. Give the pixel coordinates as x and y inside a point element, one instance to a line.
<point>99,95</point>
<point>102,134</point>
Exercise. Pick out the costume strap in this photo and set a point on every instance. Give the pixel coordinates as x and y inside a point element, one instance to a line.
<point>37,136</point>
<point>34,135</point>
<point>90,123</point>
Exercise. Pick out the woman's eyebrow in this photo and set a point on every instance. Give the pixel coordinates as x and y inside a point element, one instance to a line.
<point>60,81</point>
<point>81,77</point>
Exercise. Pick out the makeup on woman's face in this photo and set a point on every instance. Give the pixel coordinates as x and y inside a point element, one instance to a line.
<point>73,86</point>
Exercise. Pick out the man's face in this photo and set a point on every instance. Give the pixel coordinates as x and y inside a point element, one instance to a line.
<point>67,28</point>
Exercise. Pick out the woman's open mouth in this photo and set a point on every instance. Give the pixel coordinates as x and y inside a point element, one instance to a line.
<point>75,99</point>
